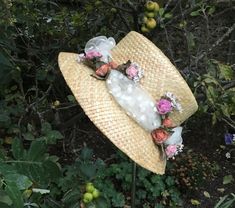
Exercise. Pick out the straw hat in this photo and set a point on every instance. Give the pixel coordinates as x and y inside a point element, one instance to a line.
<point>160,76</point>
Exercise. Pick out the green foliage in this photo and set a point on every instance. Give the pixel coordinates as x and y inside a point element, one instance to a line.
<point>227,201</point>
<point>32,35</point>
<point>219,96</point>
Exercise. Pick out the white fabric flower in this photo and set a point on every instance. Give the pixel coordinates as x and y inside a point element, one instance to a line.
<point>175,138</point>
<point>101,44</point>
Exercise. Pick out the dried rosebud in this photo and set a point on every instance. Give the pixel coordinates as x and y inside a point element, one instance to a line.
<point>113,65</point>
<point>159,135</point>
<point>167,122</point>
<point>171,151</point>
<point>103,70</point>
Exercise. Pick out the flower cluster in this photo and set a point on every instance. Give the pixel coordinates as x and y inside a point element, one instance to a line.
<point>167,134</point>
<point>94,59</point>
<point>134,72</point>
<point>230,140</point>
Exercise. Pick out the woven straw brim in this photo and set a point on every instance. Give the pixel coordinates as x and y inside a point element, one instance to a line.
<point>160,76</point>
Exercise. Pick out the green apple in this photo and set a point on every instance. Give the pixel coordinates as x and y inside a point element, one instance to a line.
<point>88,197</point>
<point>144,29</point>
<point>156,7</point>
<point>98,3</point>
<point>151,23</point>
<point>96,193</point>
<point>145,19</point>
<point>150,6</point>
<point>90,188</point>
<point>150,14</point>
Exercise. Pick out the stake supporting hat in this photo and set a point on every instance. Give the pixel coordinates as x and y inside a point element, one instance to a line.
<point>104,110</point>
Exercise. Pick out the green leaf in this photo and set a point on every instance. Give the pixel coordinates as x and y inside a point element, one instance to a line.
<point>228,179</point>
<point>161,11</point>
<point>22,182</point>
<point>4,60</point>
<point>71,98</point>
<point>195,202</point>
<point>36,151</point>
<point>71,197</point>
<point>191,40</point>
<point>15,195</point>
<point>4,118</point>
<point>41,74</point>
<point>211,10</point>
<point>195,13</point>
<point>52,137</point>
<point>102,203</point>
<point>41,191</point>
<point>46,127</point>
<point>3,205</point>
<point>86,154</point>
<point>52,171</point>
<point>88,170</point>
<point>118,200</point>
<point>206,194</point>
<point>4,198</point>
<point>6,169</point>
<point>17,148</point>
<point>168,15</point>
<point>28,136</point>
<point>226,72</point>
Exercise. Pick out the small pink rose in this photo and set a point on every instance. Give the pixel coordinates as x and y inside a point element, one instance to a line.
<point>159,136</point>
<point>93,54</point>
<point>131,72</point>
<point>164,106</point>
<point>171,150</point>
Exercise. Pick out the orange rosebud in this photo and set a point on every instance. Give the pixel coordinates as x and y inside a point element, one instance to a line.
<point>167,122</point>
<point>159,135</point>
<point>113,65</point>
<point>103,70</point>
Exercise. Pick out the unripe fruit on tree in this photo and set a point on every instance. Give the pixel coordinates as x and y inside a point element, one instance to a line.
<point>88,197</point>
<point>150,6</point>
<point>151,23</point>
<point>98,3</point>
<point>95,194</point>
<point>113,10</point>
<point>144,29</point>
<point>156,7</point>
<point>145,19</point>
<point>150,14</point>
<point>90,188</point>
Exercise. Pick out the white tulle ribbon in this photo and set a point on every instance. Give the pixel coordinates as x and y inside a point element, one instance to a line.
<point>175,138</point>
<point>134,100</point>
<point>101,44</point>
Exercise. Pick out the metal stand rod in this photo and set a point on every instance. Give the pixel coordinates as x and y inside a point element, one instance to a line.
<point>133,185</point>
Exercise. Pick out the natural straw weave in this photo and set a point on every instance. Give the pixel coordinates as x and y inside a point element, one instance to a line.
<point>160,76</point>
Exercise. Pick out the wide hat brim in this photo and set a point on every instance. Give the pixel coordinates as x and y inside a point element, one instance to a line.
<point>160,76</point>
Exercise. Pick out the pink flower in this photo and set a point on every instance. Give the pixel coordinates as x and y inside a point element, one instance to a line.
<point>159,136</point>
<point>171,150</point>
<point>167,122</point>
<point>164,106</point>
<point>132,72</point>
<point>93,54</point>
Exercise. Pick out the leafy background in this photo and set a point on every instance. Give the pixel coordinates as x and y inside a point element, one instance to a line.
<point>44,134</point>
